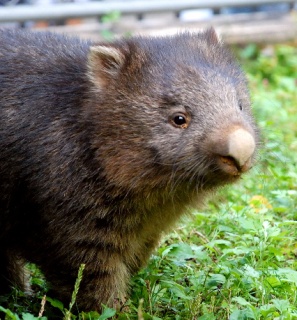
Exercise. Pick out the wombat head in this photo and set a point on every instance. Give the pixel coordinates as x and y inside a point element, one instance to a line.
<point>171,111</point>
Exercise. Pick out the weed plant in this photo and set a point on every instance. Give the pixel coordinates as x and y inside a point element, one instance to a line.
<point>236,259</point>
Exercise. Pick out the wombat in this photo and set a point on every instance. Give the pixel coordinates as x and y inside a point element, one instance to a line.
<point>104,146</point>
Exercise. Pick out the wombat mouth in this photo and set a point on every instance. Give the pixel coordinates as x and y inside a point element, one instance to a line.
<point>230,166</point>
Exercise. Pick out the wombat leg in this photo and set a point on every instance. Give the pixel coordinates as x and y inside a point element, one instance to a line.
<point>106,286</point>
<point>12,273</point>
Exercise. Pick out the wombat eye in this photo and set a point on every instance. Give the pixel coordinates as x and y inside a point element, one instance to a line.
<point>240,106</point>
<point>179,120</point>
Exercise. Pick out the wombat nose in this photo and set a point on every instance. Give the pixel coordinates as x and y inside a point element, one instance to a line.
<point>238,151</point>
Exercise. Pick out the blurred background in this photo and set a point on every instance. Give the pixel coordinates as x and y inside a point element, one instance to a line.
<point>237,21</point>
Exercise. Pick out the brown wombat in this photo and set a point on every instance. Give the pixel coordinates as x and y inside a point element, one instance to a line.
<point>104,146</point>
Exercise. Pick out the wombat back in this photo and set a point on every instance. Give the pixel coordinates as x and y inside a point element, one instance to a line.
<point>104,146</point>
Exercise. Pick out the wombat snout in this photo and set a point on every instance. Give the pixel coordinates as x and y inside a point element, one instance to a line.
<point>235,152</point>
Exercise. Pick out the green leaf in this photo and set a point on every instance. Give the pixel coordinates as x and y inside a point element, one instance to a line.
<point>242,315</point>
<point>29,316</point>
<point>273,281</point>
<point>250,271</point>
<point>267,309</point>
<point>107,313</point>
<point>281,305</point>
<point>287,274</point>
<point>216,280</point>
<point>55,303</point>
<point>209,316</point>
<point>241,301</point>
<point>9,314</point>
<point>176,289</point>
<point>181,251</point>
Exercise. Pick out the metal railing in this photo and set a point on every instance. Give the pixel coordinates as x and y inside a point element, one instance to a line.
<point>22,13</point>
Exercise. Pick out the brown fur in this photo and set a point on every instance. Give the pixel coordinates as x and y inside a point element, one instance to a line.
<point>93,166</point>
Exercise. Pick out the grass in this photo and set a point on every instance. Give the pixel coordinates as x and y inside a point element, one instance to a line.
<point>236,259</point>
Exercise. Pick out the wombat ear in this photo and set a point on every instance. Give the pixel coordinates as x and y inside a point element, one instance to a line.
<point>104,62</point>
<point>212,36</point>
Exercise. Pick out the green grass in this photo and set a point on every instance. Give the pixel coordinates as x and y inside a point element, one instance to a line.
<point>237,258</point>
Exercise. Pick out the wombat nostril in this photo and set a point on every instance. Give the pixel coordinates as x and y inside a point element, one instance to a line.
<point>228,160</point>
<point>229,165</point>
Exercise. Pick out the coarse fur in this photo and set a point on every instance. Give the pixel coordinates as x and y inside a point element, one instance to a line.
<point>93,166</point>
